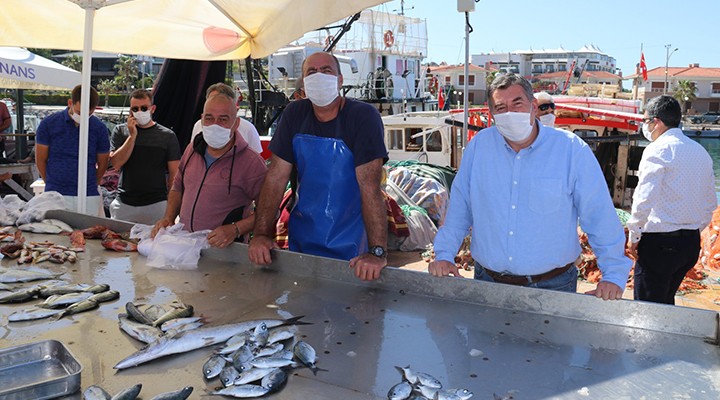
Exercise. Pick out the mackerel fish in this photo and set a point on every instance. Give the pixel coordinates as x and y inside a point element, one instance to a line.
<point>181,394</point>
<point>243,391</point>
<point>32,314</point>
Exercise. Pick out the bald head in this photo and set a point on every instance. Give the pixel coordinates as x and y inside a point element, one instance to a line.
<point>220,109</point>
<point>321,62</point>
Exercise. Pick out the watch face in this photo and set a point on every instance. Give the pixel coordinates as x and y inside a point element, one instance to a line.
<point>377,251</point>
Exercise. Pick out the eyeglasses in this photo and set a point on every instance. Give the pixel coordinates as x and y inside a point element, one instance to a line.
<point>141,108</point>
<point>544,107</point>
<point>648,120</point>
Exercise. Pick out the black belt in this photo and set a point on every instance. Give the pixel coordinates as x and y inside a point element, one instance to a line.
<point>678,233</point>
<point>526,279</point>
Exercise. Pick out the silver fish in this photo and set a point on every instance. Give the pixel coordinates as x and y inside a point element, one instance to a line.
<point>228,375</point>
<point>49,290</point>
<point>181,394</point>
<point>281,333</point>
<point>270,362</point>
<point>130,393</point>
<point>64,300</point>
<point>463,394</point>
<point>269,350</point>
<point>24,275</point>
<point>241,358</point>
<point>5,287</point>
<point>155,311</point>
<point>99,288</point>
<point>79,307</point>
<point>102,297</point>
<point>274,380</point>
<point>213,366</point>
<point>306,354</point>
<point>444,395</point>
<point>19,296</point>
<point>139,331</point>
<point>427,391</point>
<point>234,343</point>
<point>95,393</point>
<point>173,314</point>
<point>287,353</point>
<point>243,391</point>
<point>56,222</point>
<point>252,375</point>
<point>195,339</point>
<point>260,335</point>
<point>176,323</point>
<point>183,328</point>
<point>401,391</point>
<point>136,314</point>
<point>421,378</point>
<point>40,227</point>
<point>32,314</point>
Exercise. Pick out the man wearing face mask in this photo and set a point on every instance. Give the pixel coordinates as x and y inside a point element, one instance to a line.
<point>337,147</point>
<point>673,201</point>
<point>546,109</point>
<point>147,154</point>
<point>218,178</point>
<point>57,141</point>
<point>522,187</point>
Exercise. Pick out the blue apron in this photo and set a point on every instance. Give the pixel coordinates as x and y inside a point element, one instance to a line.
<point>326,219</point>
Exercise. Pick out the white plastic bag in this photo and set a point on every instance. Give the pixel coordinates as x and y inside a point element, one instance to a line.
<point>174,248</point>
<point>37,206</point>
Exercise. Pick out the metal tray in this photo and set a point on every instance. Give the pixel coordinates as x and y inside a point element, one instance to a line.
<point>41,370</point>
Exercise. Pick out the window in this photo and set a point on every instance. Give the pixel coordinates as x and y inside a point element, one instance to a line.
<point>399,67</point>
<point>447,80</point>
<point>471,97</point>
<point>433,141</point>
<point>413,144</point>
<point>714,106</point>
<point>716,88</point>
<point>461,80</point>
<point>657,86</point>
<point>394,139</point>
<point>471,80</point>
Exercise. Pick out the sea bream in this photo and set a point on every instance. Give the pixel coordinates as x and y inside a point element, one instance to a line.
<point>195,339</point>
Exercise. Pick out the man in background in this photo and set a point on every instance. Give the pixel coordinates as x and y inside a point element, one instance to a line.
<point>546,109</point>
<point>57,143</point>
<point>147,154</point>
<point>673,201</point>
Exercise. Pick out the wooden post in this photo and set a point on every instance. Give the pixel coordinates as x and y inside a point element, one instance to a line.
<point>621,175</point>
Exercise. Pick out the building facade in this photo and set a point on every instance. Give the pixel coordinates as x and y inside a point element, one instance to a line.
<point>452,80</point>
<point>705,80</point>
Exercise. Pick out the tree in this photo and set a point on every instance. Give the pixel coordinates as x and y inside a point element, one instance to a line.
<point>490,77</point>
<point>127,72</point>
<point>105,87</point>
<point>47,53</point>
<point>74,62</point>
<point>684,93</point>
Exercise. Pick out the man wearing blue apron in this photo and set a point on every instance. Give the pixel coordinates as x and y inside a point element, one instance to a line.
<point>336,146</point>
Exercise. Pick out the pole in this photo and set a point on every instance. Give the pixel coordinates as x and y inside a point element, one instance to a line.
<point>85,111</point>
<point>667,61</point>
<point>465,83</point>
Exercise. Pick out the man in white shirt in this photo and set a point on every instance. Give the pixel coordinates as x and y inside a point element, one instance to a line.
<point>246,129</point>
<point>673,201</point>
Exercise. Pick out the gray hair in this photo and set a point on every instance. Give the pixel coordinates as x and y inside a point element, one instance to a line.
<point>221,88</point>
<point>543,97</point>
<point>505,81</point>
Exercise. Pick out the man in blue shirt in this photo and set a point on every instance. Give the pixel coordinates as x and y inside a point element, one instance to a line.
<point>56,152</point>
<point>523,188</point>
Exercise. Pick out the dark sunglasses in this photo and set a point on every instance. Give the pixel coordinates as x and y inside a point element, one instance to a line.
<point>544,107</point>
<point>141,108</point>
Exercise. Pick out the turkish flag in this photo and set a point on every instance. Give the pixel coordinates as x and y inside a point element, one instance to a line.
<point>441,99</point>
<point>643,66</point>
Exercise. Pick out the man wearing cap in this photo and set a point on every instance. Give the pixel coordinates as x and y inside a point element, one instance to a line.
<point>546,109</point>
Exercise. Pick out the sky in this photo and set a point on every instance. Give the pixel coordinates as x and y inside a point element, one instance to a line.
<point>617,27</point>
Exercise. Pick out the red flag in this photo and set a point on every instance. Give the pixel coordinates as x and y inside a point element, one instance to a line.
<point>441,99</point>
<point>643,67</point>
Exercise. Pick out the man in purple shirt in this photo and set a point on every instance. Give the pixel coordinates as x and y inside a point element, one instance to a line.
<point>56,152</point>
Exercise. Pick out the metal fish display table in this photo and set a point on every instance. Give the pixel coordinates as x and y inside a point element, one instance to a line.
<point>488,338</point>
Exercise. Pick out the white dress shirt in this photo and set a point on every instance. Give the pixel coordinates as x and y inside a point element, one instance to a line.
<point>676,189</point>
<point>246,129</point>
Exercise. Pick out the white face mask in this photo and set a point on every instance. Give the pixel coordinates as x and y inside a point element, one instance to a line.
<point>321,89</point>
<point>216,136</point>
<point>647,132</point>
<point>142,117</point>
<point>514,126</point>
<point>75,117</point>
<point>548,120</point>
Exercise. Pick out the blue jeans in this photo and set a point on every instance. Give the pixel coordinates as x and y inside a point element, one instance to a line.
<point>565,282</point>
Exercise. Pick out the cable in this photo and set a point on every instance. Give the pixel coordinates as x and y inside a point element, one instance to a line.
<point>467,20</point>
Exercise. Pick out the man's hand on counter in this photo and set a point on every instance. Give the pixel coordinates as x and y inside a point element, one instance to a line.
<point>367,266</point>
<point>259,250</point>
<point>607,291</point>
<point>163,223</point>
<point>222,236</point>
<point>443,268</point>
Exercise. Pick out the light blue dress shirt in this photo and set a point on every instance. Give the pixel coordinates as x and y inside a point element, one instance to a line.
<point>524,207</point>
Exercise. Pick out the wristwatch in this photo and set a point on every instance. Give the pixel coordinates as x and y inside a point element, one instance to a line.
<point>378,251</point>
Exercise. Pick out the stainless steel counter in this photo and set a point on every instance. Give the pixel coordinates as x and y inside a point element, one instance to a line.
<point>488,338</point>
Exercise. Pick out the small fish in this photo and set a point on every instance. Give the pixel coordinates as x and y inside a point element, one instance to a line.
<point>77,240</point>
<point>185,311</point>
<point>228,375</point>
<point>94,232</point>
<point>24,275</point>
<point>213,366</point>
<point>234,343</point>
<point>270,362</point>
<point>78,307</point>
<point>260,335</point>
<point>99,288</point>
<point>95,393</point>
<point>181,394</point>
<point>427,391</point>
<point>252,375</point>
<point>281,333</point>
<point>64,300</point>
<point>177,323</point>
<point>130,393</point>
<point>306,354</point>
<point>119,245</point>
<point>445,395</point>
<point>138,331</point>
<point>243,391</point>
<point>269,350</point>
<point>463,394</point>
<point>242,357</point>
<point>401,391</point>
<point>103,297</point>
<point>5,287</point>
<point>275,380</point>
<point>49,290</point>
<point>60,224</point>
<point>40,227</point>
<point>136,314</point>
<point>154,311</point>
<point>32,314</point>
<point>421,378</point>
